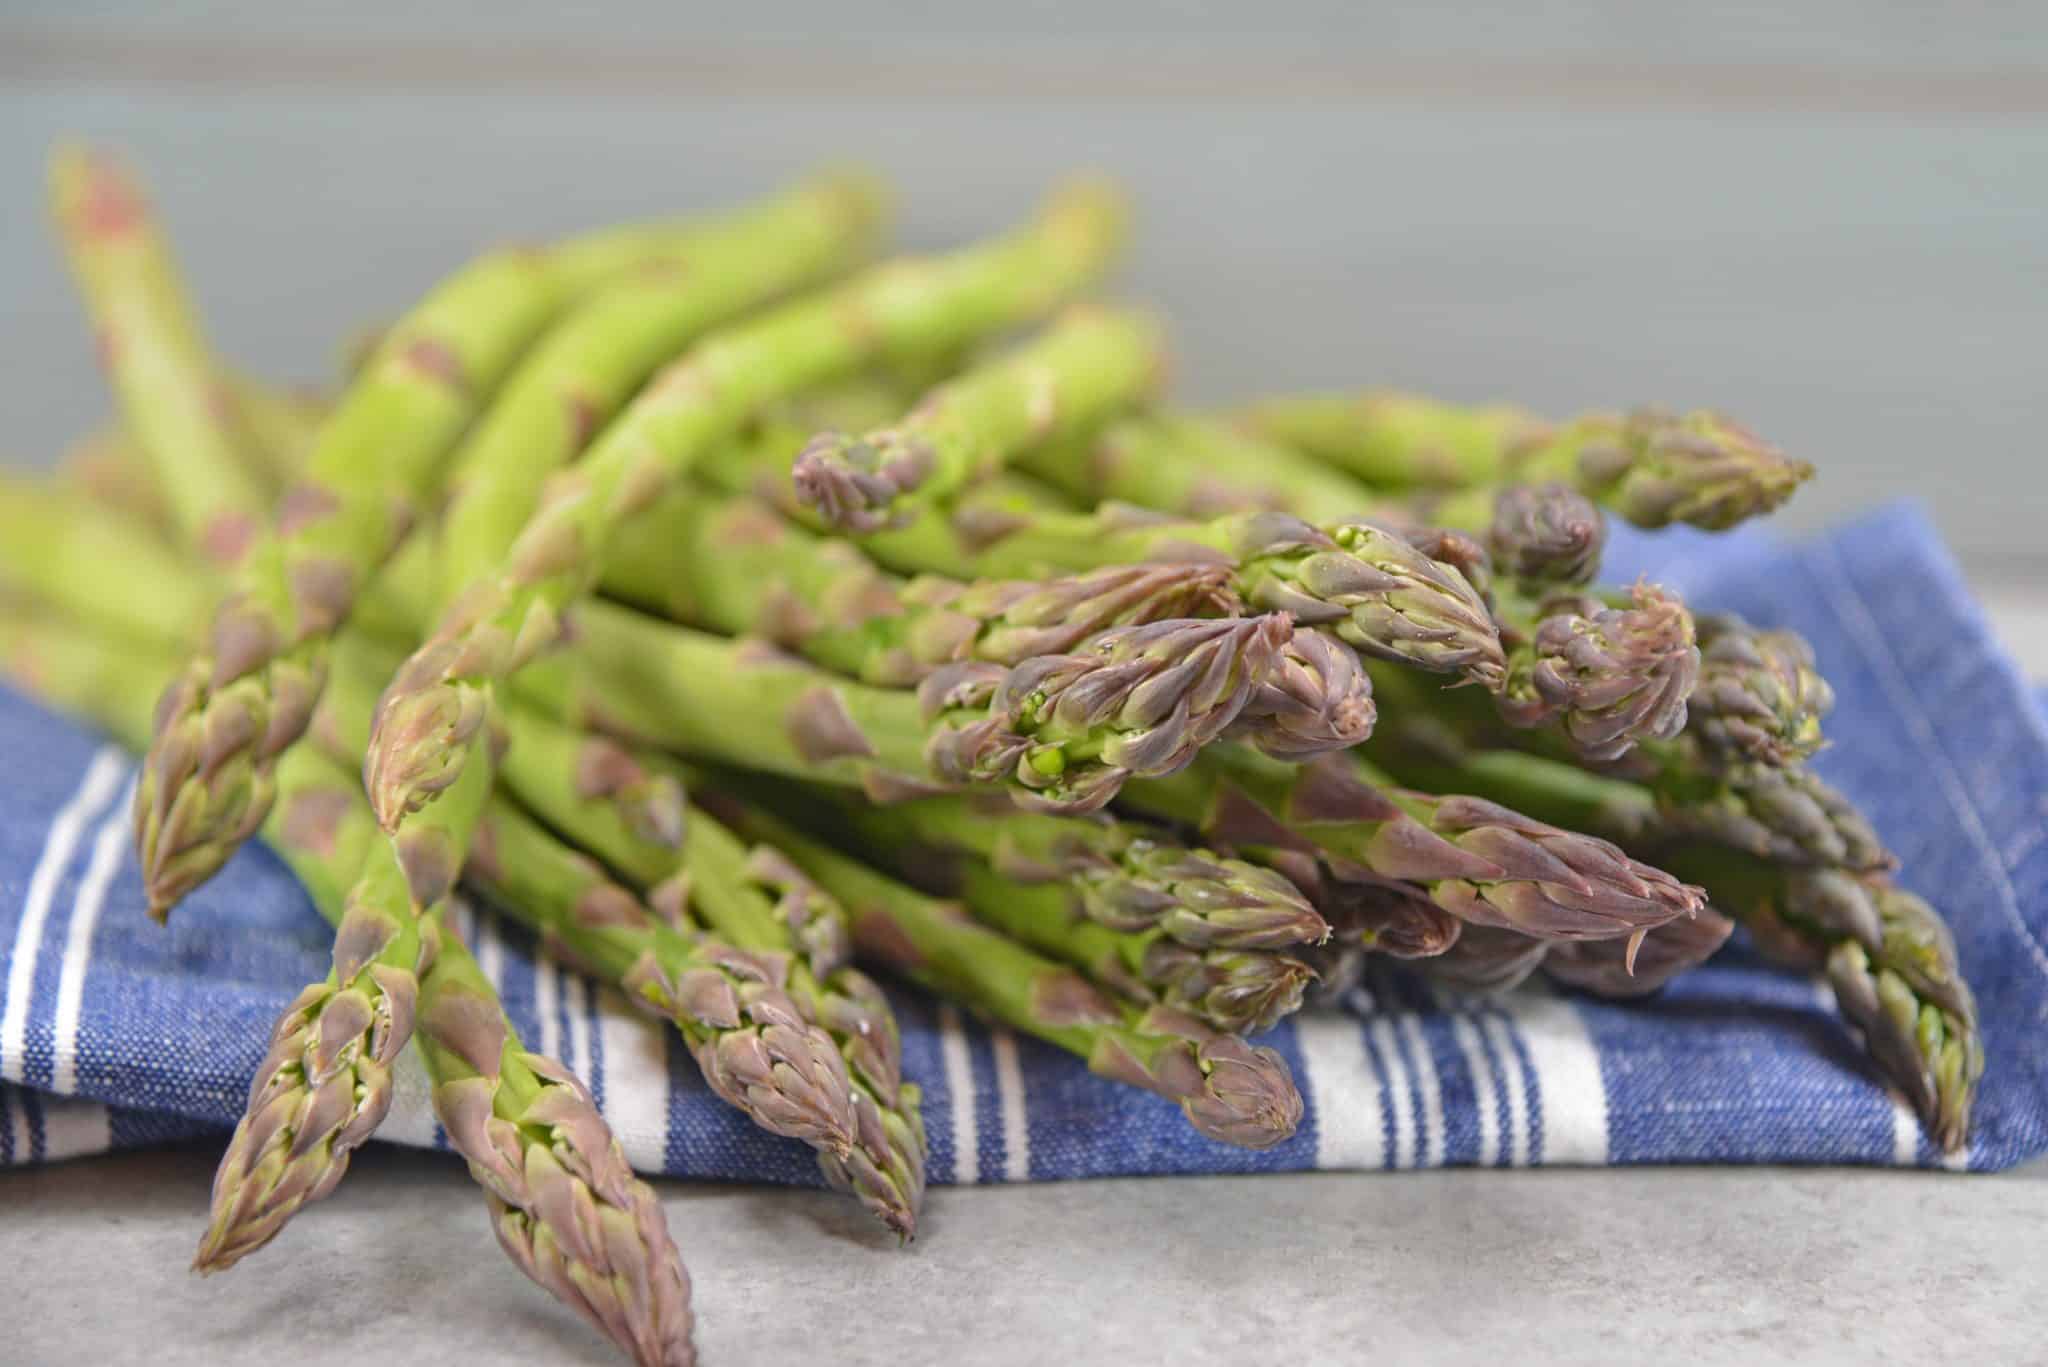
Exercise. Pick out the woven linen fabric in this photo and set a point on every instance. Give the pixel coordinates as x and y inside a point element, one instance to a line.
<point>116,1033</point>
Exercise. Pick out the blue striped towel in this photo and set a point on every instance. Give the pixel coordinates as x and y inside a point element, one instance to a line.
<point>115,1033</point>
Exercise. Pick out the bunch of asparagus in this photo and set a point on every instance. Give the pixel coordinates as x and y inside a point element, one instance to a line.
<point>730,610</point>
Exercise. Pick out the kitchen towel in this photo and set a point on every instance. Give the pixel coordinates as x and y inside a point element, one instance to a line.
<point>115,1032</point>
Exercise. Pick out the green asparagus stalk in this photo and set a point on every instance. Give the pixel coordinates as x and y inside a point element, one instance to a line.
<point>1121,874</point>
<point>581,372</point>
<point>1891,961</point>
<point>1229,1090</point>
<point>1362,583</point>
<point>1195,467</point>
<point>283,426</point>
<point>763,907</point>
<point>109,470</point>
<point>1788,815</point>
<point>1759,698</point>
<point>1622,968</point>
<point>1316,698</point>
<point>67,551</point>
<point>170,391</point>
<point>325,1084</point>
<point>1238,990</point>
<point>564,1203</point>
<point>754,1047</point>
<point>1888,956</point>
<point>1376,916</point>
<point>734,565</point>
<point>1062,731</point>
<point>1482,862</point>
<point>584,369</point>
<point>431,717</point>
<point>249,692</point>
<point>1541,534</point>
<point>1605,677</point>
<point>1650,467</point>
<point>1066,380</point>
<point>1202,467</point>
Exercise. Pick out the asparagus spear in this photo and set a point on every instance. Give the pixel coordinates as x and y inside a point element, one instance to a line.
<point>1370,916</point>
<point>758,903</point>
<point>574,380</point>
<point>1234,989</point>
<point>1891,961</point>
<point>1066,380</point>
<point>1195,467</point>
<point>1362,583</point>
<point>1239,991</point>
<point>1484,863</point>
<point>1888,956</point>
<point>1606,677</point>
<point>1230,1091</point>
<point>564,1202</point>
<point>1202,467</point>
<point>1316,698</point>
<point>249,693</point>
<point>1121,874</point>
<point>753,1045</point>
<point>63,549</point>
<point>1759,696</point>
<point>735,565</point>
<point>1542,534</point>
<point>431,716</point>
<point>170,391</point>
<point>1062,731</point>
<point>1788,814</point>
<point>1650,467</point>
<point>1617,968</point>
<point>109,469</point>
<point>325,1084</point>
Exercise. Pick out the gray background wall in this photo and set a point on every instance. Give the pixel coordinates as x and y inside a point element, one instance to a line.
<point>1829,218</point>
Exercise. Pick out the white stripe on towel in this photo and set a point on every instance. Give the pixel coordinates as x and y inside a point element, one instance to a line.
<point>1010,1098</point>
<point>635,1080</point>
<point>107,848</point>
<point>960,1086</point>
<point>1344,1089</point>
<point>102,779</point>
<point>1567,1066</point>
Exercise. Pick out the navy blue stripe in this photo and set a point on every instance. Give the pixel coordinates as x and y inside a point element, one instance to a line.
<point>1532,1085</point>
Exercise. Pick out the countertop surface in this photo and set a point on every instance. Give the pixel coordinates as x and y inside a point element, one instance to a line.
<point>1701,1266</point>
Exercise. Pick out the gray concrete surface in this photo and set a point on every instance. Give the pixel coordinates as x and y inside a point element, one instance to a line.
<point>1700,1266</point>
